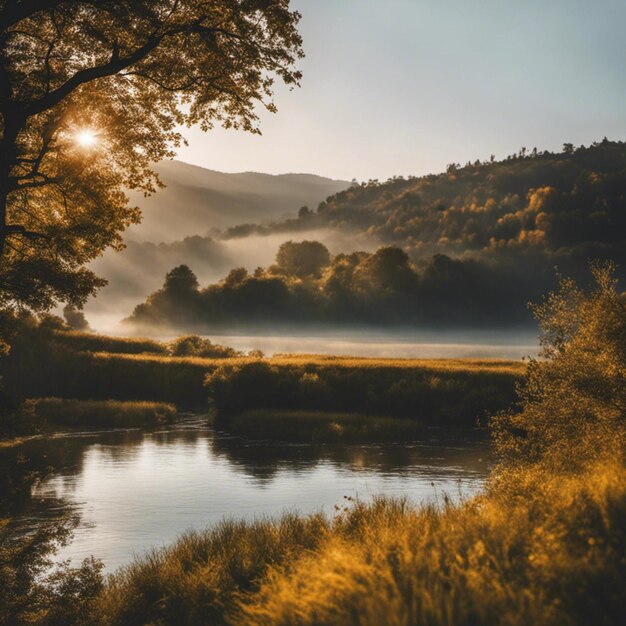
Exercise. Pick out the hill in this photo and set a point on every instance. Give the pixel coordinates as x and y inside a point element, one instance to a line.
<point>468,247</point>
<point>533,203</point>
<point>177,221</point>
<point>198,201</point>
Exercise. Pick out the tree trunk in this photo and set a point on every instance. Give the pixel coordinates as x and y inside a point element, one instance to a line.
<point>8,155</point>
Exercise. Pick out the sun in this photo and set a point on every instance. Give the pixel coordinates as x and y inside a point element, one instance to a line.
<point>87,137</point>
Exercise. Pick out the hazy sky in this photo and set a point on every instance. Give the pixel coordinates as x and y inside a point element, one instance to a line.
<point>408,86</point>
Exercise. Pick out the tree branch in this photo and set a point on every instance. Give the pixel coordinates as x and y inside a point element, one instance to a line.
<point>115,65</point>
<point>13,230</point>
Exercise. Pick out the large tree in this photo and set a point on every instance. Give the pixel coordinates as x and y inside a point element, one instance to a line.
<point>93,92</point>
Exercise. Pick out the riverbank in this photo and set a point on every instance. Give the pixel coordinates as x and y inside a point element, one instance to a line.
<point>440,392</point>
<point>43,416</point>
<point>90,414</point>
<point>534,549</point>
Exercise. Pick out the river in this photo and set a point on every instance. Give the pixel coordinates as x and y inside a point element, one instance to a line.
<point>135,490</point>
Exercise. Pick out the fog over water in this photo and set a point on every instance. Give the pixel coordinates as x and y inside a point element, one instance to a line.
<point>426,344</point>
<point>140,268</point>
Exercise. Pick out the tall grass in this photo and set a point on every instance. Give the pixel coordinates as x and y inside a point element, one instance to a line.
<point>435,391</point>
<point>92,342</point>
<point>99,413</point>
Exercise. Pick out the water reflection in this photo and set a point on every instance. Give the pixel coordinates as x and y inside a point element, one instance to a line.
<point>135,490</point>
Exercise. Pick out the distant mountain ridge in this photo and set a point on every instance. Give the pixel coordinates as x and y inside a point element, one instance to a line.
<point>196,200</point>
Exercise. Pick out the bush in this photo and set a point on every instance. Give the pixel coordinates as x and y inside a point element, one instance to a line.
<point>573,399</point>
<point>193,345</point>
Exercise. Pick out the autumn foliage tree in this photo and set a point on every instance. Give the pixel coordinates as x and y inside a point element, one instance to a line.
<point>92,93</point>
<point>573,401</point>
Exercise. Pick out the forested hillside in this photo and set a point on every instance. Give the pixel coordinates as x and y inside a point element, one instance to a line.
<point>557,205</point>
<point>470,246</point>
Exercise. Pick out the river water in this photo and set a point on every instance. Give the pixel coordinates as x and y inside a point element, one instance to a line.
<point>137,490</point>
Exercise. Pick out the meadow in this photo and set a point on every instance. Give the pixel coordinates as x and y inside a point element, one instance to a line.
<point>442,392</point>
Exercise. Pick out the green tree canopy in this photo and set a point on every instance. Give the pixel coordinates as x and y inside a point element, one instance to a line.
<point>304,258</point>
<point>91,93</point>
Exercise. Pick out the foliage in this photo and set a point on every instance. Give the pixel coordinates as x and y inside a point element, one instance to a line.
<point>48,359</point>
<point>33,590</point>
<point>92,93</point>
<point>68,364</point>
<point>573,399</point>
<point>193,345</point>
<point>437,392</point>
<point>483,239</point>
<point>306,258</point>
<point>538,206</point>
<point>371,289</point>
<point>86,414</point>
<point>75,319</point>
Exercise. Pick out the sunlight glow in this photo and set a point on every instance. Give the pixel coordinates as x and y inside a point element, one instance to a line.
<point>87,138</point>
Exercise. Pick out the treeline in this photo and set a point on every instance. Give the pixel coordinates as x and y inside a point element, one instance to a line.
<point>306,286</point>
<point>573,202</point>
<point>468,247</point>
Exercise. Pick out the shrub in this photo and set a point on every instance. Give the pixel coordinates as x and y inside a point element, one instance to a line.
<point>193,345</point>
<point>573,399</point>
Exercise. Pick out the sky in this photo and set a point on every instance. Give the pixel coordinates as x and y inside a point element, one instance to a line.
<point>405,87</point>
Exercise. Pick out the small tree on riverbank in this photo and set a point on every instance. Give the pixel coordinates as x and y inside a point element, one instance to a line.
<point>573,400</point>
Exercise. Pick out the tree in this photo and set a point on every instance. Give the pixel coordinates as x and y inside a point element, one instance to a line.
<point>92,93</point>
<point>75,319</point>
<point>302,259</point>
<point>573,401</point>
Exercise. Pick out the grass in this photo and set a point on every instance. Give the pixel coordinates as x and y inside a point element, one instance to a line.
<point>320,427</point>
<point>533,549</point>
<point>92,342</point>
<point>435,392</point>
<point>90,414</point>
